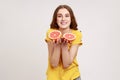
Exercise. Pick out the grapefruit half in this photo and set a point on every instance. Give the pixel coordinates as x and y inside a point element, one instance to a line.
<point>55,34</point>
<point>69,36</point>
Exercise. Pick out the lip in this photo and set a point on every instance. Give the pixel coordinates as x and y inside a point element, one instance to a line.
<point>63,23</point>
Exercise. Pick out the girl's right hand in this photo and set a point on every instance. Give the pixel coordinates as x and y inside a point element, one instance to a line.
<point>54,43</point>
<point>57,41</point>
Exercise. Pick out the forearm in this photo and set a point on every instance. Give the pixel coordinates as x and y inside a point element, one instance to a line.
<point>55,56</point>
<point>66,58</point>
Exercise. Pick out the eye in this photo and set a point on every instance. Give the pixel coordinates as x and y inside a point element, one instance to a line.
<point>59,15</point>
<point>67,15</point>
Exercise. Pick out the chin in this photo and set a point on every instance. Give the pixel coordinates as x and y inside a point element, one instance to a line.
<point>63,27</point>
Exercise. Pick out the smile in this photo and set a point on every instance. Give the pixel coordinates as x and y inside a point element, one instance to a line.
<point>63,23</point>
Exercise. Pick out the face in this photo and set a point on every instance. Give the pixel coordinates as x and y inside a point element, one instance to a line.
<point>63,18</point>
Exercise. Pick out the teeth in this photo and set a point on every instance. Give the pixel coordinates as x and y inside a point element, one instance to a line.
<point>63,23</point>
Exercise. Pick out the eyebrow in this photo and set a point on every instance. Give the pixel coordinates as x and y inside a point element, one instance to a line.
<point>61,14</point>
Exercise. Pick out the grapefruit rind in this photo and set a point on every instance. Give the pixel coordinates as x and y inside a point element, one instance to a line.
<point>69,38</point>
<point>53,35</point>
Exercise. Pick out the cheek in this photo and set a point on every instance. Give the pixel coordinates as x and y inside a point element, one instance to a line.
<point>69,20</point>
<point>58,19</point>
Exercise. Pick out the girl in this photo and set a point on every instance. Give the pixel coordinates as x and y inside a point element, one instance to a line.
<point>62,63</point>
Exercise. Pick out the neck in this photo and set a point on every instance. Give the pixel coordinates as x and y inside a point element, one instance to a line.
<point>65,30</point>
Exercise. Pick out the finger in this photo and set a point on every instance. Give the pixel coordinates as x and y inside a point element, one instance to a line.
<point>54,41</point>
<point>66,41</point>
<point>62,39</point>
<point>57,41</point>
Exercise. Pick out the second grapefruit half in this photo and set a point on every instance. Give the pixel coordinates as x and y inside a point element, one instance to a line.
<point>69,36</point>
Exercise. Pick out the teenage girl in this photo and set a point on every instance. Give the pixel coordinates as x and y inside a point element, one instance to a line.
<point>62,62</point>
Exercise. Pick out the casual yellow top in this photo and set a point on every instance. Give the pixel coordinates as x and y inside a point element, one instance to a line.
<point>59,73</point>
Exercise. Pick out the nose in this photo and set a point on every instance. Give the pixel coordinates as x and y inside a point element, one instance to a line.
<point>63,18</point>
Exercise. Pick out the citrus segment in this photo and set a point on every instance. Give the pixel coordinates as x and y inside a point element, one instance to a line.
<point>69,36</point>
<point>55,34</point>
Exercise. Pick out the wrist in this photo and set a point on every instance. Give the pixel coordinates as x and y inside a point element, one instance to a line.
<point>56,45</point>
<point>65,46</point>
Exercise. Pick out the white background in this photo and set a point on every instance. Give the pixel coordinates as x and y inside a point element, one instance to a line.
<point>23,25</point>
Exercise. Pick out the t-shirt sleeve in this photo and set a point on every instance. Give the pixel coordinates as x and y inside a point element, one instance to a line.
<point>47,33</point>
<point>78,39</point>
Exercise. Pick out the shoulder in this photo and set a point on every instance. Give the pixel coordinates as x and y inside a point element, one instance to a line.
<point>77,32</point>
<point>50,29</point>
<point>78,39</point>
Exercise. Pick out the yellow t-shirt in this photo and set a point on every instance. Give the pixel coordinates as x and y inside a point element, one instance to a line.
<point>59,73</point>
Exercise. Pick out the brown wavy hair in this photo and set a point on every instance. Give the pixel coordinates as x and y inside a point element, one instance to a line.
<point>73,24</point>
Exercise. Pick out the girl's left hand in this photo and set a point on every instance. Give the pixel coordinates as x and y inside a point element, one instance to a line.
<point>65,41</point>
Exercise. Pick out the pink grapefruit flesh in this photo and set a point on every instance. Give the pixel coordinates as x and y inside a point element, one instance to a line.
<point>55,34</point>
<point>69,36</point>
